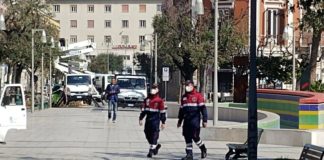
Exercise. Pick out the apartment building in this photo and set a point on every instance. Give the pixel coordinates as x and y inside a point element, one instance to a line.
<point>116,26</point>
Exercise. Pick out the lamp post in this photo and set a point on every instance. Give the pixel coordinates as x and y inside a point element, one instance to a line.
<point>2,23</point>
<point>107,44</point>
<point>286,37</point>
<point>215,97</point>
<point>50,73</point>
<point>155,60</point>
<point>148,38</point>
<point>33,67</point>
<point>2,28</point>
<point>42,72</point>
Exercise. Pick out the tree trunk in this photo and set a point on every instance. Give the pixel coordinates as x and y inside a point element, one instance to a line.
<point>9,73</point>
<point>202,75</point>
<point>313,59</point>
<point>14,72</point>
<point>19,69</point>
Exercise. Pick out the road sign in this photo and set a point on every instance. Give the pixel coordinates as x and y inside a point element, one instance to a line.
<point>165,74</point>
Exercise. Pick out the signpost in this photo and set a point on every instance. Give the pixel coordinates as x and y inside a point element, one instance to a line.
<point>165,78</point>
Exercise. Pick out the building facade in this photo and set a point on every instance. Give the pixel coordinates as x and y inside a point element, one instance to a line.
<point>116,26</point>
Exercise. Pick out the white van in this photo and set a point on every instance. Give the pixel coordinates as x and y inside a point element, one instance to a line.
<point>79,87</point>
<point>133,90</point>
<point>13,111</point>
<point>102,81</point>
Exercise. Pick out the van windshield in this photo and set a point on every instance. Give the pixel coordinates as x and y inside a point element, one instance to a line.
<point>131,83</point>
<point>78,80</point>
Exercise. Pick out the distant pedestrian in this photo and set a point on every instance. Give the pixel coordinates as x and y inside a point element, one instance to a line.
<point>191,109</point>
<point>111,93</point>
<point>155,112</point>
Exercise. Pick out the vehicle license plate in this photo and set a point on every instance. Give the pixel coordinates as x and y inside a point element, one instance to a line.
<point>79,97</point>
<point>130,105</point>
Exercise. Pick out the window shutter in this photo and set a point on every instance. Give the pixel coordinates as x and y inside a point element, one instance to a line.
<point>281,26</point>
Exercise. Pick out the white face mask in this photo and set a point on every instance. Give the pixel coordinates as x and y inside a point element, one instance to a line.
<point>189,88</point>
<point>154,91</point>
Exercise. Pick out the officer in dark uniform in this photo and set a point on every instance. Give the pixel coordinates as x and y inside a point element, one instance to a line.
<point>191,109</point>
<point>154,111</point>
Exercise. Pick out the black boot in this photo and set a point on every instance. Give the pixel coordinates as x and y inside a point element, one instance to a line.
<point>156,150</point>
<point>203,150</point>
<point>188,157</point>
<point>150,153</point>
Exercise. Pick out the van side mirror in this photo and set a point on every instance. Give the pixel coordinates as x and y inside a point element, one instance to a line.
<point>62,83</point>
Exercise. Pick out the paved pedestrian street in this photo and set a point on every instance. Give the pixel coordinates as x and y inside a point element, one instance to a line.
<point>85,133</point>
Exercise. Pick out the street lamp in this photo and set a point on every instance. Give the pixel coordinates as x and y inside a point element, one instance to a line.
<point>50,73</point>
<point>107,44</point>
<point>2,28</point>
<point>148,38</point>
<point>215,97</point>
<point>2,23</point>
<point>285,36</point>
<point>33,78</point>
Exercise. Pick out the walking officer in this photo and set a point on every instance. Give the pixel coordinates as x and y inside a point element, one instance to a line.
<point>154,111</point>
<point>191,109</point>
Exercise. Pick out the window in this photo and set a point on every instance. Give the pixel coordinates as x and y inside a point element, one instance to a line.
<point>90,8</point>
<point>56,8</point>
<point>125,8</point>
<point>274,22</point>
<point>142,8</point>
<point>107,23</point>
<point>124,39</point>
<point>73,39</point>
<point>91,38</point>
<point>90,23</point>
<point>74,23</point>
<point>225,13</point>
<point>125,23</point>
<point>107,39</point>
<point>159,7</point>
<point>141,39</point>
<point>142,24</point>
<point>127,57</point>
<point>74,8</point>
<point>108,8</point>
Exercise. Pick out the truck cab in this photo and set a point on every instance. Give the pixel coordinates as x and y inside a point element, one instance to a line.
<point>13,111</point>
<point>102,81</point>
<point>79,87</point>
<point>133,90</point>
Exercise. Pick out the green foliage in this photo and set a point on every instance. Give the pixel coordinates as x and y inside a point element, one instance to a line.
<point>189,46</point>
<point>144,62</point>
<point>312,20</point>
<point>99,63</point>
<point>274,69</point>
<point>20,18</point>
<point>317,86</point>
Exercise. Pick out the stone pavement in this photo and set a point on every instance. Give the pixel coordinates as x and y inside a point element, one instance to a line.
<point>85,133</point>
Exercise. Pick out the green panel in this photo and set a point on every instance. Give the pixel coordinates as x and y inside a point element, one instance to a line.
<point>238,105</point>
<point>321,118</point>
<point>308,120</point>
<point>288,124</point>
<point>273,124</point>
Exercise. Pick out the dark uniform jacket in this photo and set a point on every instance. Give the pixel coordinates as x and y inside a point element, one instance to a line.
<point>191,109</point>
<point>154,111</point>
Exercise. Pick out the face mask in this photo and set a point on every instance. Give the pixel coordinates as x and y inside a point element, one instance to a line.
<point>154,91</point>
<point>189,88</point>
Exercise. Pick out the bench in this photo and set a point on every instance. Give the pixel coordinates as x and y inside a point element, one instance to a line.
<point>240,150</point>
<point>312,152</point>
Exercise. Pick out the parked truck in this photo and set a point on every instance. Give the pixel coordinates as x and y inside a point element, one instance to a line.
<point>79,87</point>
<point>133,90</point>
<point>13,111</point>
